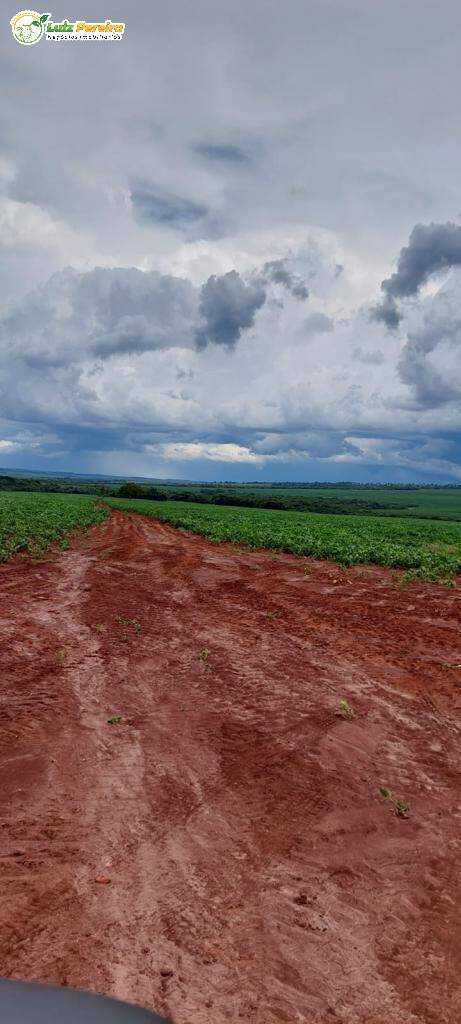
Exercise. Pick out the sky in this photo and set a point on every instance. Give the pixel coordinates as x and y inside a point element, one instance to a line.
<point>230,243</point>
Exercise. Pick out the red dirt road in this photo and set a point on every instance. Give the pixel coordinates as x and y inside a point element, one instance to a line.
<point>256,873</point>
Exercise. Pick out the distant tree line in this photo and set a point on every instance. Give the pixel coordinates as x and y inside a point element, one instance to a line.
<point>256,495</point>
<point>58,485</point>
<point>249,499</point>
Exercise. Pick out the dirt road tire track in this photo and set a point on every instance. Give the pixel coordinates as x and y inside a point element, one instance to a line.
<point>256,874</point>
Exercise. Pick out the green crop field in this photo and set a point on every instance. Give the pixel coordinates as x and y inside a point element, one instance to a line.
<point>32,522</point>
<point>419,502</point>
<point>431,548</point>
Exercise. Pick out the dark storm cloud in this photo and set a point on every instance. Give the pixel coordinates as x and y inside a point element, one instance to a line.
<point>429,360</point>
<point>319,444</point>
<point>154,205</point>
<point>105,312</point>
<point>224,154</point>
<point>431,248</point>
<point>102,312</point>
<point>228,306</point>
<point>387,313</point>
<point>430,387</point>
<point>277,271</point>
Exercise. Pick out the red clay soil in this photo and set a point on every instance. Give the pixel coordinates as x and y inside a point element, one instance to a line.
<point>256,874</point>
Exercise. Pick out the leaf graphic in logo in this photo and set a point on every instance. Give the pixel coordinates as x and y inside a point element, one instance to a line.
<point>43,18</point>
<point>37,23</point>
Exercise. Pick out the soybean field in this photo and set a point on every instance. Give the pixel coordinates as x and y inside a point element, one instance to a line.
<point>428,548</point>
<point>33,522</point>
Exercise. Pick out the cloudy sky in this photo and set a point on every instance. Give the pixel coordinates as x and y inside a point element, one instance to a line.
<point>230,244</point>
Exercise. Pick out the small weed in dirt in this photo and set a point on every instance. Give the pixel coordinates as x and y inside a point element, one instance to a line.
<point>451,664</point>
<point>100,627</point>
<point>204,655</point>
<point>275,615</point>
<point>115,720</point>
<point>400,807</point>
<point>61,656</point>
<point>125,621</point>
<point>344,710</point>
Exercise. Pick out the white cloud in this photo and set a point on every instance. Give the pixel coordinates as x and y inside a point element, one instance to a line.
<point>200,450</point>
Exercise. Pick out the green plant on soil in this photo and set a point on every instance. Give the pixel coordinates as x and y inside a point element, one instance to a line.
<point>125,621</point>
<point>115,720</point>
<point>31,523</point>
<point>400,807</point>
<point>203,655</point>
<point>344,710</point>
<point>431,546</point>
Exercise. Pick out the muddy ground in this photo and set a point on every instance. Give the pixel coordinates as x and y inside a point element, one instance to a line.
<point>256,874</point>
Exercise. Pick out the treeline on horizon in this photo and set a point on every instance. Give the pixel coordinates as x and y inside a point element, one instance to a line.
<point>256,495</point>
<point>216,494</point>
<point>251,499</point>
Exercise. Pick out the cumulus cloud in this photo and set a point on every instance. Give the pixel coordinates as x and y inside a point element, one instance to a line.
<point>301,445</point>
<point>430,358</point>
<point>29,441</point>
<point>228,306</point>
<point>226,452</point>
<point>387,312</point>
<point>103,312</point>
<point>431,248</point>
<point>278,272</point>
